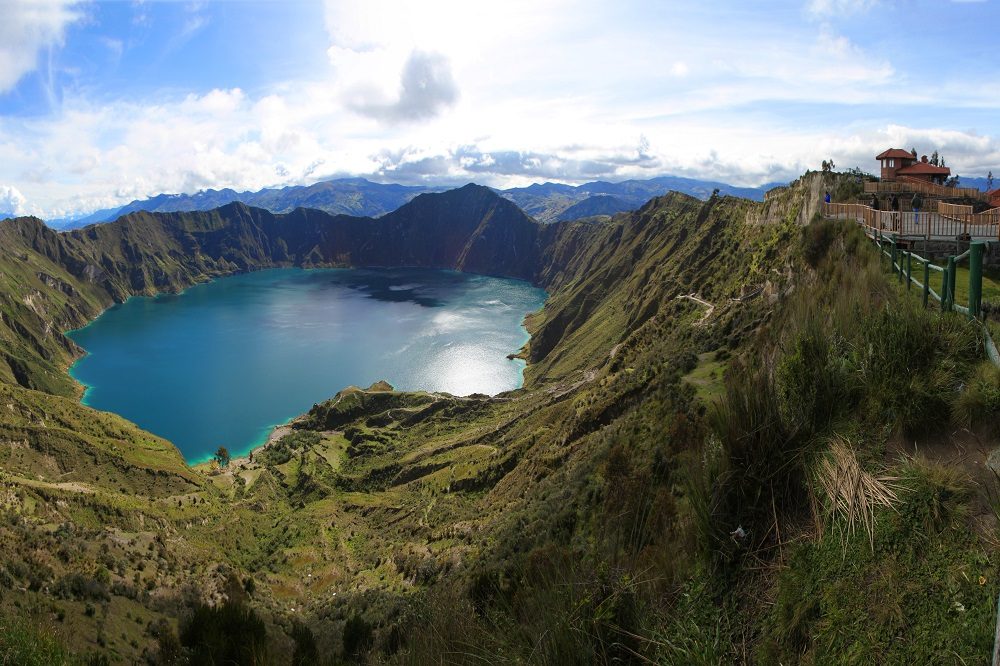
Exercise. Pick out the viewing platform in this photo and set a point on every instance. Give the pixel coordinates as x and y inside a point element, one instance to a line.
<point>909,186</point>
<point>949,223</point>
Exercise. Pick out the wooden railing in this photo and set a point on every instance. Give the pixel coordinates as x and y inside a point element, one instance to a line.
<point>927,226</point>
<point>908,185</point>
<point>949,209</point>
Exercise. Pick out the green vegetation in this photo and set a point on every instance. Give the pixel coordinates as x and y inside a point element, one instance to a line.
<point>771,478</point>
<point>707,375</point>
<point>23,644</point>
<point>991,283</point>
<point>924,591</point>
<point>226,634</point>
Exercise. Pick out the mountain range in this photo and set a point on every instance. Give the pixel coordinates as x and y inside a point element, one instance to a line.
<point>546,202</point>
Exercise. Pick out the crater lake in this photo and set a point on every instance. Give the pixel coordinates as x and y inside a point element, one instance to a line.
<point>225,361</point>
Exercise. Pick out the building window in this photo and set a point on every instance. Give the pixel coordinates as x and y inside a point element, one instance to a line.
<point>892,163</point>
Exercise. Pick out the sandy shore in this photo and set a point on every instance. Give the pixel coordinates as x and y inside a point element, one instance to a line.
<point>276,434</point>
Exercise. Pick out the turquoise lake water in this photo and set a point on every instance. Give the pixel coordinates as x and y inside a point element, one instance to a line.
<point>223,362</point>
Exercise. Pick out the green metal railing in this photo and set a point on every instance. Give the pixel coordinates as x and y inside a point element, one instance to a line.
<point>901,264</point>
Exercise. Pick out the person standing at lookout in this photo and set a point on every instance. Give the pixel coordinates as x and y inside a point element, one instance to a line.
<point>894,207</point>
<point>916,202</point>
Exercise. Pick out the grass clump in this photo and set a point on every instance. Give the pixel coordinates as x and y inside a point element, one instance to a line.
<point>24,644</point>
<point>921,591</point>
<point>978,405</point>
<point>853,494</point>
<point>913,363</point>
<point>756,467</point>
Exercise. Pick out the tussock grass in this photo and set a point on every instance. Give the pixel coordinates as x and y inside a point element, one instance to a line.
<point>979,402</point>
<point>852,493</point>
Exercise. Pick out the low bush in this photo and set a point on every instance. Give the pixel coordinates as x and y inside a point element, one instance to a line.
<point>226,634</point>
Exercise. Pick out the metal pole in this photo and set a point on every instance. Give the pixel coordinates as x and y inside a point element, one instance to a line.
<point>976,278</point>
<point>927,281</point>
<point>951,283</point>
<point>944,288</point>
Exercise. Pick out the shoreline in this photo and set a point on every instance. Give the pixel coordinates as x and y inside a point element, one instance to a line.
<point>275,433</point>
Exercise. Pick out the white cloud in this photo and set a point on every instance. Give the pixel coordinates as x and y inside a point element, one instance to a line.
<point>426,88</point>
<point>27,27</point>
<point>839,7</point>
<point>11,201</point>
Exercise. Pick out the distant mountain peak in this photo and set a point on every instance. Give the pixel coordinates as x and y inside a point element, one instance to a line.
<point>359,196</point>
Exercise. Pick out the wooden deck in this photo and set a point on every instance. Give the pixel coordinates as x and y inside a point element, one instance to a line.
<point>910,185</point>
<point>921,226</point>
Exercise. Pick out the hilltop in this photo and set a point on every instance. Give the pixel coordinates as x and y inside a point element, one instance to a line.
<point>665,487</point>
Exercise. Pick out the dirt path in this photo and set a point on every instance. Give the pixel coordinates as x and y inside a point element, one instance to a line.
<point>708,312</point>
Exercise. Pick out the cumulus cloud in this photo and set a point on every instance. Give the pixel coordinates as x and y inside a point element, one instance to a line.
<point>11,201</point>
<point>576,163</point>
<point>28,26</point>
<point>426,88</point>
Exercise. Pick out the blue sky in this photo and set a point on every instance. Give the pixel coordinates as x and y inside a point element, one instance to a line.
<point>105,102</point>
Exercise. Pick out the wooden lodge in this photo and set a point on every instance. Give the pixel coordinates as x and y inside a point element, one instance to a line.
<point>903,165</point>
<point>903,173</point>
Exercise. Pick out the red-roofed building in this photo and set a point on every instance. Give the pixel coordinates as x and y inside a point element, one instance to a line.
<point>994,198</point>
<point>897,163</point>
<point>893,160</point>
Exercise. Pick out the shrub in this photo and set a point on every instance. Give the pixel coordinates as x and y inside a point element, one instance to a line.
<point>226,634</point>
<point>817,237</point>
<point>761,459</point>
<point>306,653</point>
<point>814,381</point>
<point>358,637</point>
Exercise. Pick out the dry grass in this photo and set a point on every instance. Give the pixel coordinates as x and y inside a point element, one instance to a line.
<point>851,492</point>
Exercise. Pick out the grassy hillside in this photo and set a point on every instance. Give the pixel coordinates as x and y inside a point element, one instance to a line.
<point>738,441</point>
